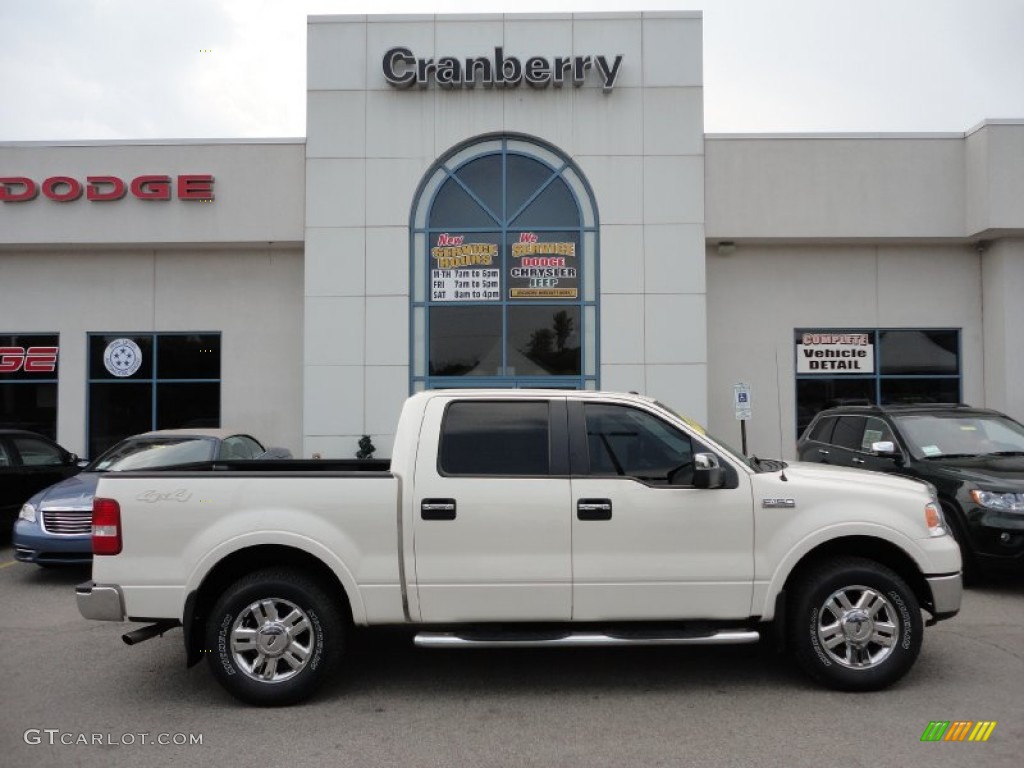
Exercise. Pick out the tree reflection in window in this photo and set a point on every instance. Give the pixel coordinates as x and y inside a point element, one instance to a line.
<point>555,350</point>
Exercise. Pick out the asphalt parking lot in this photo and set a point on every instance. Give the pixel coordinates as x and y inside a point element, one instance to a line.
<point>74,695</point>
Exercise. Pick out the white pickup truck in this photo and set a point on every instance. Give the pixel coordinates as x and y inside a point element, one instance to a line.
<point>524,518</point>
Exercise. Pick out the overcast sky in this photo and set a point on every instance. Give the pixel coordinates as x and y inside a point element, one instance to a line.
<point>139,69</point>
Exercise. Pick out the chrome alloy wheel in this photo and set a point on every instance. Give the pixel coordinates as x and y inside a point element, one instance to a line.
<point>858,627</point>
<point>272,640</point>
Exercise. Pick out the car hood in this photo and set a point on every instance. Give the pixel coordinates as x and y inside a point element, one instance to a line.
<point>73,493</point>
<point>811,473</point>
<point>1005,473</point>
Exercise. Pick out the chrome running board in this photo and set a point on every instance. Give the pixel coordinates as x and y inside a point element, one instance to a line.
<point>578,639</point>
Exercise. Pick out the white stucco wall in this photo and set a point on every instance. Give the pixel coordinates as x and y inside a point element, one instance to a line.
<point>758,295</point>
<point>369,145</point>
<point>232,266</point>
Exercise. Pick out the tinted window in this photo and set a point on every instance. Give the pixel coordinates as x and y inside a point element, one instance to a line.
<point>488,438</point>
<point>37,453</point>
<point>465,341</point>
<point>633,443</point>
<point>875,431</point>
<point>849,432</point>
<point>919,352</point>
<point>191,356</point>
<point>240,447</point>
<point>822,431</point>
<point>544,340</point>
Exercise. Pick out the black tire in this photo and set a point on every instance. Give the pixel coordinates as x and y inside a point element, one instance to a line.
<point>295,632</point>
<point>854,625</point>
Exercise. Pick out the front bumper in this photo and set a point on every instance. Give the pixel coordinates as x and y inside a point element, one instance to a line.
<point>33,545</point>
<point>947,593</point>
<point>100,602</point>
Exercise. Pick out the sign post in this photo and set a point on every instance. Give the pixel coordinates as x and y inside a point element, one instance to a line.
<point>741,402</point>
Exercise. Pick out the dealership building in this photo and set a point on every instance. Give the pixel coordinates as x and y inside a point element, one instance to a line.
<point>504,201</point>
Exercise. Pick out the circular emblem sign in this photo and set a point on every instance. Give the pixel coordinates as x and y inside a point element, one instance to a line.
<point>122,357</point>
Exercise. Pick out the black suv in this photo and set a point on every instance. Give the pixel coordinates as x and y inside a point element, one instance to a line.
<point>973,456</point>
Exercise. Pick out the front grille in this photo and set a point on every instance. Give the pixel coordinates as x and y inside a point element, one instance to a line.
<point>67,522</point>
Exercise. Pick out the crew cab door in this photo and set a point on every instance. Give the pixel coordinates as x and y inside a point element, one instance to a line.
<point>646,543</point>
<point>491,515</point>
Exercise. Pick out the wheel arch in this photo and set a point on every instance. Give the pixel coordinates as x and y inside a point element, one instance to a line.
<point>237,565</point>
<point>869,548</point>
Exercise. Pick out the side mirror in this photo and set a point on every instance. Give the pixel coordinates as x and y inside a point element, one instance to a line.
<point>886,449</point>
<point>707,471</point>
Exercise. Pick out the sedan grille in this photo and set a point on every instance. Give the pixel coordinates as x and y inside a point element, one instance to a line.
<point>67,522</point>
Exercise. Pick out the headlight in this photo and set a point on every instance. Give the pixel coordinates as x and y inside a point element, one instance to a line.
<point>1008,502</point>
<point>934,520</point>
<point>28,512</point>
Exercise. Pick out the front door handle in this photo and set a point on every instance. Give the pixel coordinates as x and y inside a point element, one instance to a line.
<point>594,509</point>
<point>437,509</point>
<point>855,460</point>
<point>823,452</point>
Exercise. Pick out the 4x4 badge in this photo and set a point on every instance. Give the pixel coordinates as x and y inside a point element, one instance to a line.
<point>778,503</point>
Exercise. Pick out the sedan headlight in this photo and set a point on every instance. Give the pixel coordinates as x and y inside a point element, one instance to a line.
<point>28,512</point>
<point>1007,502</point>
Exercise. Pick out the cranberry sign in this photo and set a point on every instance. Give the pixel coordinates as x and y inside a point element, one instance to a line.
<point>196,187</point>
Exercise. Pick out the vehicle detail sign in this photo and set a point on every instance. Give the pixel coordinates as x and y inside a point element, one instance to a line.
<point>464,271</point>
<point>831,353</point>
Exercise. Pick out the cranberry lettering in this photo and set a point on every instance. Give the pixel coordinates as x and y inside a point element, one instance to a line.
<point>403,70</point>
<point>30,360</point>
<point>197,187</point>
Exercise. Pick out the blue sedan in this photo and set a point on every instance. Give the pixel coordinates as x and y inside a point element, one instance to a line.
<point>54,527</point>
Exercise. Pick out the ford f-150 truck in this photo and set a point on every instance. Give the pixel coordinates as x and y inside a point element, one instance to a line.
<point>524,518</point>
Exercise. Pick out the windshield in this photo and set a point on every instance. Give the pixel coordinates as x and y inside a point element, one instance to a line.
<point>152,452</point>
<point>935,435</point>
<point>699,429</point>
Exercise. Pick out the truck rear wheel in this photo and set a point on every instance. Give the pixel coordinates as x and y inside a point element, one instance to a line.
<point>855,625</point>
<point>274,636</point>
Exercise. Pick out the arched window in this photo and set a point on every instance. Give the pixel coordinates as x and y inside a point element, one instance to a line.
<point>504,270</point>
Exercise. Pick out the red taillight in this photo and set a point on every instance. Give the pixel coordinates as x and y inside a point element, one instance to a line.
<point>106,527</point>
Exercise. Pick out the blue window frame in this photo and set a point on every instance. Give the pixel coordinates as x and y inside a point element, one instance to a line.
<point>504,270</point>
<point>875,366</point>
<point>144,381</point>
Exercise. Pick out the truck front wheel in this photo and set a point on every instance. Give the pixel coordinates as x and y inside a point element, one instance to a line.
<point>855,625</point>
<point>273,637</point>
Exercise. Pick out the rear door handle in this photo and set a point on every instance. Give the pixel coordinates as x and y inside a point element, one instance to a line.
<point>594,509</point>
<point>855,460</point>
<point>437,509</point>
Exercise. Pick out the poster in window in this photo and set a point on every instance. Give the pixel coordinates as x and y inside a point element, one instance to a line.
<point>543,266</point>
<point>835,353</point>
<point>464,268</point>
